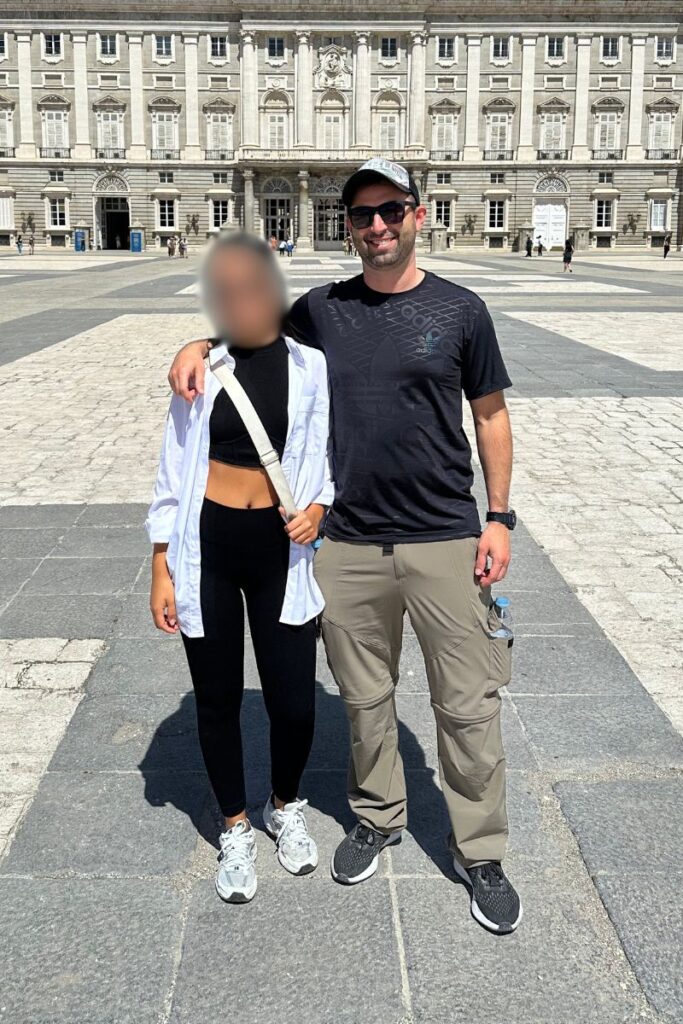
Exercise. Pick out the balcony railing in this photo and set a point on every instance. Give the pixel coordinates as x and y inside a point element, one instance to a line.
<point>551,154</point>
<point>445,154</point>
<point>165,154</point>
<point>498,154</point>
<point>661,154</point>
<point>219,154</point>
<point>608,154</point>
<point>110,154</point>
<point>6,151</point>
<point>55,154</point>
<point>328,156</point>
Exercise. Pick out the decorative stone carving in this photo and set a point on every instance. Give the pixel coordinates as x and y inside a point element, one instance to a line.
<point>276,186</point>
<point>332,69</point>
<point>53,102</point>
<point>327,185</point>
<point>111,182</point>
<point>552,183</point>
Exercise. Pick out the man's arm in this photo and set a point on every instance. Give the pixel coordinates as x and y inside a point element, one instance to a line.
<point>494,444</point>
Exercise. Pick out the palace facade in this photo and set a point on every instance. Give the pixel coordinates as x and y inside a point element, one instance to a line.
<point>554,119</point>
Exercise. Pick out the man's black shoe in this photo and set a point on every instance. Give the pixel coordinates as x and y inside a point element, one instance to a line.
<point>495,904</point>
<point>357,855</point>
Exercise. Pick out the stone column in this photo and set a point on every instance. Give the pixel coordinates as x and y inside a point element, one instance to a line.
<point>526,150</point>
<point>192,148</point>
<point>304,90</point>
<point>249,219</point>
<point>583,64</point>
<point>634,148</point>
<point>416,115</point>
<point>362,120</point>
<point>138,147</point>
<point>303,242</point>
<point>472,150</point>
<point>249,89</point>
<point>82,149</point>
<point>26,148</point>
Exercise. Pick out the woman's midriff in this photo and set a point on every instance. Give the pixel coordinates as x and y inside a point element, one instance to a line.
<point>239,486</point>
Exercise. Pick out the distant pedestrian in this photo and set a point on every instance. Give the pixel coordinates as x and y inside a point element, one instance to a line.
<point>348,245</point>
<point>182,248</point>
<point>170,245</point>
<point>290,246</point>
<point>31,243</point>
<point>117,243</point>
<point>273,242</point>
<point>539,246</point>
<point>529,246</point>
<point>667,245</point>
<point>282,247</point>
<point>567,256</point>
<point>20,244</point>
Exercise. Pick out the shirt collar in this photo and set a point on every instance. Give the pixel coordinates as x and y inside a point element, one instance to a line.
<point>219,353</point>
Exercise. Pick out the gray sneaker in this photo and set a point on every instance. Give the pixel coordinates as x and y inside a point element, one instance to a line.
<point>236,875</point>
<point>296,849</point>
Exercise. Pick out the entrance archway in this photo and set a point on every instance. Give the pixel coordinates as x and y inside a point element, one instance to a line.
<point>276,210</point>
<point>111,212</point>
<point>328,213</point>
<point>551,213</point>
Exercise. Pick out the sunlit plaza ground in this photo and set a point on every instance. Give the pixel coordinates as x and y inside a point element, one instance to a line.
<point>107,830</point>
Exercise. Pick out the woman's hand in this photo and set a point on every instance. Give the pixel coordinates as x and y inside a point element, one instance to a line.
<point>186,375</point>
<point>304,528</point>
<point>162,595</point>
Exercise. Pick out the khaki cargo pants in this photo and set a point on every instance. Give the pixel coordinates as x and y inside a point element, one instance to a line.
<point>367,590</point>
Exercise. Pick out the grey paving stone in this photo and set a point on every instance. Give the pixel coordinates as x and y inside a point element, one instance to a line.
<point>581,664</point>
<point>123,514</point>
<point>109,733</point>
<point>135,620</point>
<point>14,572</point>
<point>84,576</point>
<point>71,616</point>
<point>626,825</point>
<point>276,951</point>
<point>142,666</point>
<point>104,541</point>
<point>574,731</point>
<point>102,823</point>
<point>557,606</point>
<point>86,951</point>
<point>646,910</point>
<point>23,335</point>
<point>553,970</point>
<point>28,543</point>
<point>39,517</point>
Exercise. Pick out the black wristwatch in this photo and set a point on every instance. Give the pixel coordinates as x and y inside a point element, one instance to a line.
<point>508,519</point>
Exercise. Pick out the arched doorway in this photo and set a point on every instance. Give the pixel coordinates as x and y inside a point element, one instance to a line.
<point>276,210</point>
<point>328,213</point>
<point>551,213</point>
<point>111,212</point>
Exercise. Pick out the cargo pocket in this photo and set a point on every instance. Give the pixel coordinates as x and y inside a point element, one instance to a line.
<point>500,651</point>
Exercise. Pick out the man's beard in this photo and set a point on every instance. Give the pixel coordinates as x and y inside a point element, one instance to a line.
<point>405,243</point>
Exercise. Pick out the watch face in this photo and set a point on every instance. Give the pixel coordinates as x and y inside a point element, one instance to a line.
<point>513,519</point>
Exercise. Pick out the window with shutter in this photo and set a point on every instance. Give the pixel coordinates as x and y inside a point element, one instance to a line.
<point>55,129</point>
<point>388,131</point>
<point>552,132</point>
<point>660,130</point>
<point>445,132</point>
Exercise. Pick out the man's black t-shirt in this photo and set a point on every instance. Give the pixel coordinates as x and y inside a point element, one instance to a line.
<point>398,366</point>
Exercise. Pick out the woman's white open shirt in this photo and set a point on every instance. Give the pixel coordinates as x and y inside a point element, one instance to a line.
<point>173,516</point>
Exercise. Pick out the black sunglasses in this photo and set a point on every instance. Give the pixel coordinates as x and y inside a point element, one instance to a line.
<point>392,212</point>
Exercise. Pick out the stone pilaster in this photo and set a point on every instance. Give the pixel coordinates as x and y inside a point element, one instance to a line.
<point>26,148</point>
<point>472,149</point>
<point>634,147</point>
<point>526,149</point>
<point>249,211</point>
<point>249,89</point>
<point>583,65</point>
<point>304,90</point>
<point>362,120</point>
<point>82,149</point>
<point>416,110</point>
<point>303,242</point>
<point>192,148</point>
<point>138,147</point>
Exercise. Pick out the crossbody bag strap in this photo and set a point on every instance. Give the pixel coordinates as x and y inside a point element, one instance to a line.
<point>268,457</point>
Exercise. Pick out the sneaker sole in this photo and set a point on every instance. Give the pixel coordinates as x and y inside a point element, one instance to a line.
<point>298,870</point>
<point>477,912</point>
<point>395,837</point>
<point>237,895</point>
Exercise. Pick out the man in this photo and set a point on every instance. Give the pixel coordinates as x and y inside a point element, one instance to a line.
<point>404,533</point>
<point>529,245</point>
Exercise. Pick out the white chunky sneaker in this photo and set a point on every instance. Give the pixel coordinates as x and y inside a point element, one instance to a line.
<point>236,875</point>
<point>296,850</point>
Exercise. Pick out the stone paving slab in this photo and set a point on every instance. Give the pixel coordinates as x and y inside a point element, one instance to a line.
<point>87,951</point>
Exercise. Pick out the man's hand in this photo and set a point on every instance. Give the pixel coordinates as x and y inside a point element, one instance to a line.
<point>186,375</point>
<point>304,528</point>
<point>494,542</point>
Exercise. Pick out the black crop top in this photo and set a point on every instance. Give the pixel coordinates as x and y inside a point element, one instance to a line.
<point>264,375</point>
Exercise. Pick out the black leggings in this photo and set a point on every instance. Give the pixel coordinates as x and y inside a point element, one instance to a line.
<point>246,551</point>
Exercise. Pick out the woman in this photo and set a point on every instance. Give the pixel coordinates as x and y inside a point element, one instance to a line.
<point>219,533</point>
<point>567,256</point>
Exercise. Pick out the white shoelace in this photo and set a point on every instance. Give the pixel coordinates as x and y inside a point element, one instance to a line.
<point>236,849</point>
<point>294,829</point>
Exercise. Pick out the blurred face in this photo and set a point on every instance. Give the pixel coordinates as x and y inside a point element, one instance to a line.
<point>381,244</point>
<point>242,296</point>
